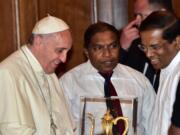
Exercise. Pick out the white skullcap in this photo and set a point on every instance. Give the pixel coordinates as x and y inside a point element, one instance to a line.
<point>48,25</point>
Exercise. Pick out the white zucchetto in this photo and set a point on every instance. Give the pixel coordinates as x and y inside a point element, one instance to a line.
<point>49,24</point>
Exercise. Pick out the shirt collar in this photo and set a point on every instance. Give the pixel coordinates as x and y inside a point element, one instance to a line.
<point>92,70</point>
<point>32,60</point>
<point>172,65</point>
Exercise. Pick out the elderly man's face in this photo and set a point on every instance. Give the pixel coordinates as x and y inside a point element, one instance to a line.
<point>159,51</point>
<point>103,51</point>
<point>142,8</point>
<point>53,50</point>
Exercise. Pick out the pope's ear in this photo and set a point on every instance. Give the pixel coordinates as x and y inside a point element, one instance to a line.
<point>86,53</point>
<point>37,40</point>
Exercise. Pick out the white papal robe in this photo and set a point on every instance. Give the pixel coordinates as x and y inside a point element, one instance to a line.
<point>23,110</point>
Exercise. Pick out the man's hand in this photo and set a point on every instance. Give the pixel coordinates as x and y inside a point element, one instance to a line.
<point>128,34</point>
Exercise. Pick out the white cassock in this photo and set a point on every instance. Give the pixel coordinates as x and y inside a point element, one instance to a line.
<point>23,110</point>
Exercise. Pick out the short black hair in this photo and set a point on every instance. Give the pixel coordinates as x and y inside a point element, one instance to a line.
<point>167,21</point>
<point>31,39</point>
<point>98,27</point>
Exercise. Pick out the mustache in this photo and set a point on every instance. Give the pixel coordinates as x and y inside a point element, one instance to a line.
<point>110,60</point>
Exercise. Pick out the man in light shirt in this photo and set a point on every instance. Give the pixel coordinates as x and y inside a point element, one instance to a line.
<point>101,46</point>
<point>160,35</point>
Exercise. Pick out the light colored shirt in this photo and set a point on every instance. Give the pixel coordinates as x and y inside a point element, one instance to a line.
<point>169,78</point>
<point>23,109</point>
<point>84,80</point>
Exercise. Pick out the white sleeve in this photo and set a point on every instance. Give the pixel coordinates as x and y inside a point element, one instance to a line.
<point>66,85</point>
<point>15,117</point>
<point>15,129</point>
<point>148,105</point>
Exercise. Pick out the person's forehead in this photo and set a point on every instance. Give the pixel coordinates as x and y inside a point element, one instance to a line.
<point>103,36</point>
<point>141,6</point>
<point>62,39</point>
<point>106,33</point>
<point>151,36</point>
<point>64,35</point>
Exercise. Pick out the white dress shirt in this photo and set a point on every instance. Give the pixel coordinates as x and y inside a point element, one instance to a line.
<point>84,80</point>
<point>169,78</point>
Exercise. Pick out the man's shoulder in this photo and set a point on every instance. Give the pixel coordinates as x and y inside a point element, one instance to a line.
<point>176,71</point>
<point>76,71</point>
<point>129,72</point>
<point>134,77</point>
<point>178,66</point>
<point>129,69</point>
<point>11,61</point>
<point>13,65</point>
<point>79,68</point>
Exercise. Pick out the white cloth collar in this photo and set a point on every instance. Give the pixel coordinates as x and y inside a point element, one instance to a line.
<point>32,59</point>
<point>93,71</point>
<point>171,66</point>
